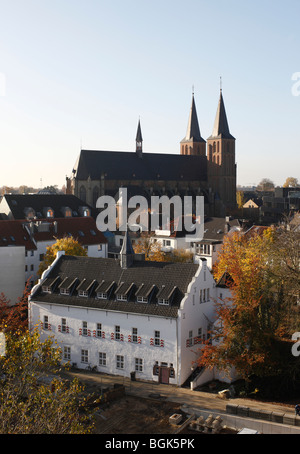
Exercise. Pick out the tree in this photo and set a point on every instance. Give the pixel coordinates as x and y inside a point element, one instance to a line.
<point>291,182</point>
<point>30,405</point>
<point>251,328</point>
<point>150,247</point>
<point>14,317</point>
<point>265,185</point>
<point>240,199</point>
<point>67,244</point>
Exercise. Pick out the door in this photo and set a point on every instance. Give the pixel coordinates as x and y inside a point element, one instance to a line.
<point>164,374</point>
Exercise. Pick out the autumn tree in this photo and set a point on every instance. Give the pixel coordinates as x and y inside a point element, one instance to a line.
<point>14,316</point>
<point>291,182</point>
<point>68,244</point>
<point>251,330</point>
<point>28,403</point>
<point>240,199</point>
<point>149,246</point>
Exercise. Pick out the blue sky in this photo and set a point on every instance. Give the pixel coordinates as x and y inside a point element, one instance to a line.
<point>77,73</point>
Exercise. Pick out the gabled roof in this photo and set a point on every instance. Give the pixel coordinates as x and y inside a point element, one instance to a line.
<point>167,279</point>
<point>123,165</point>
<point>221,128</point>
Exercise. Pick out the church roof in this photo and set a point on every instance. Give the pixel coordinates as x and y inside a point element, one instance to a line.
<point>124,165</point>
<point>221,128</point>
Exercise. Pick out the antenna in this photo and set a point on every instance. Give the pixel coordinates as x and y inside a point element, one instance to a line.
<point>220,84</point>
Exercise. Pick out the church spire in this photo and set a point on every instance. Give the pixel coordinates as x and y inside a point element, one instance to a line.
<point>139,140</point>
<point>193,142</point>
<point>221,128</point>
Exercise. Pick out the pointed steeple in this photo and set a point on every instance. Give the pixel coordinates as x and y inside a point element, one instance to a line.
<point>193,143</point>
<point>221,128</point>
<point>127,252</point>
<point>193,129</point>
<point>139,140</point>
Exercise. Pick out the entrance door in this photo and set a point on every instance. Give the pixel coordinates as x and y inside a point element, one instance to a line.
<point>164,374</point>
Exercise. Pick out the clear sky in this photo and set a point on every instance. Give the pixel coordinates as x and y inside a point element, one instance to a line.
<point>79,74</point>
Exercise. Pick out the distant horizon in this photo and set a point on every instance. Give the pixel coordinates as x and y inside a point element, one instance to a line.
<point>79,75</point>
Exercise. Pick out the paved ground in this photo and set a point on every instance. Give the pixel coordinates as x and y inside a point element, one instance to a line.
<point>198,399</point>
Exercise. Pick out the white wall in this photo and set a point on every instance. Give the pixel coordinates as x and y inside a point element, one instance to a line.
<point>194,316</point>
<point>146,326</point>
<point>12,265</point>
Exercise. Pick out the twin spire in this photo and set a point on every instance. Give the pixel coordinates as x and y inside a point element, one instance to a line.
<point>220,129</point>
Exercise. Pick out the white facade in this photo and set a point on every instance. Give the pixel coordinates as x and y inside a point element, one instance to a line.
<point>33,258</point>
<point>156,348</point>
<point>12,263</point>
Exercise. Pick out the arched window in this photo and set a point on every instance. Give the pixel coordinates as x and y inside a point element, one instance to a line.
<point>82,193</point>
<point>95,195</point>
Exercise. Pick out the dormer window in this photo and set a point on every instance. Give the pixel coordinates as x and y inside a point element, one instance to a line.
<point>102,296</point>
<point>121,297</point>
<point>142,299</point>
<point>67,286</point>
<point>46,289</point>
<point>163,301</point>
<point>83,293</point>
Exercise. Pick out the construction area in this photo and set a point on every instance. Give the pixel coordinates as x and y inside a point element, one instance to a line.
<point>124,406</point>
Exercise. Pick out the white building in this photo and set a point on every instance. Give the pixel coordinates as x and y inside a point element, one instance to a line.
<point>126,315</point>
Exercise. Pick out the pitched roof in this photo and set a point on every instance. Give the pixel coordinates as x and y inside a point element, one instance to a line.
<point>12,233</point>
<point>18,203</point>
<point>123,165</point>
<point>221,128</point>
<point>83,229</point>
<point>171,279</point>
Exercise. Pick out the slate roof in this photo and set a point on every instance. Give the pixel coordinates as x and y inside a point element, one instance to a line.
<point>215,228</point>
<point>122,165</point>
<point>166,279</point>
<point>38,202</point>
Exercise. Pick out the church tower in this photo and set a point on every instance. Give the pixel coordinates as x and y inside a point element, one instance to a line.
<point>221,159</point>
<point>193,143</point>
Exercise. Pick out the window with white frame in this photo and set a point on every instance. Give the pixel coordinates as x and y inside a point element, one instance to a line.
<point>102,359</point>
<point>142,299</point>
<point>84,356</point>
<point>157,338</point>
<point>46,322</point>
<point>134,335</point>
<point>67,353</point>
<point>83,293</point>
<point>84,329</point>
<point>138,364</point>
<point>163,301</point>
<point>99,330</point>
<point>63,325</point>
<point>64,291</point>
<point>102,296</point>
<point>120,362</point>
<point>117,332</point>
<point>121,297</point>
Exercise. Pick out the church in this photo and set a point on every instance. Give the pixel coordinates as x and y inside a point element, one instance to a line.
<point>202,168</point>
